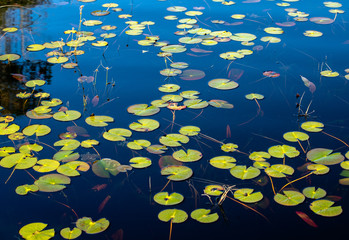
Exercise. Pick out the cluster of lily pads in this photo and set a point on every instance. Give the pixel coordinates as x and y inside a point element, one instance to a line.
<point>65,161</point>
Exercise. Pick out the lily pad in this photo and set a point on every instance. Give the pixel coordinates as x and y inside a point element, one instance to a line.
<point>68,233</point>
<point>99,121</point>
<point>89,143</point>
<point>312,126</point>
<point>69,115</point>
<point>71,169</point>
<point>157,149</point>
<point>177,173</point>
<point>241,172</point>
<point>66,156</point>
<point>169,88</point>
<point>223,84</point>
<point>229,147</point>
<point>52,182</point>
<point>195,103</point>
<point>289,198</point>
<point>144,125</point>
<point>105,167</point>
<point>5,151</point>
<point>174,215</point>
<point>138,144</point>
<point>203,215</point>
<point>190,156</point>
<point>214,190</point>
<point>6,129</point>
<point>88,226</point>
<point>280,151</point>
<point>253,96</point>
<point>279,170</point>
<point>67,144</point>
<point>173,140</point>
<point>245,195</point>
<point>223,162</point>
<point>10,57</point>
<point>324,208</point>
<point>259,156</point>
<point>140,162</point>
<point>220,104</point>
<point>295,136</point>
<point>311,192</point>
<point>318,169</point>
<point>29,148</point>
<point>35,231</point>
<point>24,189</point>
<point>143,110</point>
<point>163,198</point>
<point>117,134</point>
<point>189,130</point>
<point>46,165</point>
<point>324,156</point>
<point>18,160</point>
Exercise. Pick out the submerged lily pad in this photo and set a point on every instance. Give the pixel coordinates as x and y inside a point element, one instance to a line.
<point>174,215</point>
<point>52,182</point>
<point>177,173</point>
<point>289,198</point>
<point>324,156</point>
<point>88,226</point>
<point>35,231</point>
<point>324,208</point>
<point>203,215</point>
<point>163,198</point>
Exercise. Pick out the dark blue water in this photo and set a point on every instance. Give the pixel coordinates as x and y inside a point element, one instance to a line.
<point>134,78</point>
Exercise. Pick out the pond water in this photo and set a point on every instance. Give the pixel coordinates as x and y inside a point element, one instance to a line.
<point>301,71</point>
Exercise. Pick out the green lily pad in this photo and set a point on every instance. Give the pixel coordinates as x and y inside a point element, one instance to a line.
<point>140,162</point>
<point>174,215</point>
<point>163,198</point>
<point>53,103</point>
<point>214,190</point>
<point>144,125</point>
<point>324,156</point>
<point>34,83</point>
<point>259,156</point>
<point>57,60</point>
<point>189,130</point>
<point>37,129</point>
<point>324,208</point>
<point>71,169</point>
<point>190,156</point>
<point>66,156</point>
<point>69,115</point>
<point>217,103</point>
<point>29,148</point>
<point>261,165</point>
<point>18,160</point>
<point>223,162</point>
<point>6,129</point>
<point>203,215</point>
<point>279,151</point>
<point>24,189</point>
<point>311,192</point>
<point>143,110</point>
<point>312,126</point>
<point>289,198</point>
<point>117,134</point>
<point>105,167</point>
<point>169,88</point>
<point>295,136</point>
<point>195,103</point>
<point>52,182</point>
<point>159,103</point>
<point>191,94</point>
<point>99,121</point>
<point>245,195</point>
<point>177,173</point>
<point>345,165</point>
<point>223,84</point>
<point>253,96</point>
<point>344,181</point>
<point>241,172</point>
<point>5,151</point>
<point>89,143</point>
<point>88,226</point>
<point>67,144</point>
<point>229,147</point>
<point>172,98</point>
<point>279,170</point>
<point>318,169</point>
<point>46,165</point>
<point>157,149</point>
<point>173,140</point>
<point>68,233</point>
<point>138,144</point>
<point>35,231</point>
<point>173,49</point>
<point>9,57</point>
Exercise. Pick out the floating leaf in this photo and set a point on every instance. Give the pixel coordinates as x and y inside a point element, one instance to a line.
<point>279,151</point>
<point>143,110</point>
<point>6,129</point>
<point>220,104</point>
<point>252,96</point>
<point>289,198</point>
<point>245,195</point>
<point>318,169</point>
<point>173,215</point>
<point>203,215</point>
<point>34,83</point>
<point>214,190</point>
<point>324,156</point>
<point>52,182</point>
<point>177,173</point>
<point>69,115</point>
<point>144,125</point>
<point>169,88</point>
<point>89,143</point>
<point>259,156</point>
<point>117,134</point>
<point>312,126</point>
<point>157,149</point>
<point>29,148</point>
<point>98,121</point>
<point>67,144</point>
<point>173,49</point>
<point>140,162</point>
<point>223,162</point>
<point>9,57</point>
<point>229,147</point>
<point>189,130</point>
<point>104,167</point>
<point>88,226</point>
<point>46,165</point>
<point>190,156</point>
<point>24,189</point>
<point>5,151</point>
<point>71,169</point>
<point>279,170</point>
<point>241,172</point>
<point>163,198</point>
<point>324,208</point>
<point>195,103</point>
<point>223,84</point>
<point>18,160</point>
<point>311,192</point>
<point>295,136</point>
<point>173,140</point>
<point>35,231</point>
<point>70,234</point>
<point>138,144</point>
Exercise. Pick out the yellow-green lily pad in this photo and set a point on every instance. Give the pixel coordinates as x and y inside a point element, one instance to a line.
<point>68,233</point>
<point>138,144</point>
<point>189,130</point>
<point>105,167</point>
<point>35,231</point>
<point>140,162</point>
<point>24,189</point>
<point>144,125</point>
<point>117,134</point>
<point>214,190</point>
<point>67,144</point>
<point>223,162</point>
<point>203,215</point>
<point>190,156</point>
<point>46,165</point>
<point>173,140</point>
<point>311,192</point>
<point>223,84</point>
<point>324,156</point>
<point>279,170</point>
<point>143,110</point>
<point>295,136</point>
<point>312,126</point>
<point>163,198</point>
<point>324,208</point>
<point>289,198</point>
<point>241,172</point>
<point>173,215</point>
<point>246,195</point>
<point>99,121</point>
<point>280,151</point>
<point>88,226</point>
<point>52,182</point>
<point>177,173</point>
<point>69,115</point>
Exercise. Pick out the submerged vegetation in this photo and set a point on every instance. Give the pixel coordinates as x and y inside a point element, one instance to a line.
<point>101,133</point>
